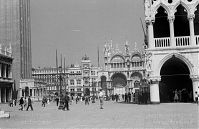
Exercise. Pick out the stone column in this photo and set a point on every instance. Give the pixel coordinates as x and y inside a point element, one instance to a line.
<point>32,92</point>
<point>154,92</point>
<point>171,27</point>
<point>195,82</point>
<point>10,93</point>
<point>5,95</point>
<point>0,95</point>
<point>5,67</point>
<point>191,28</point>
<point>151,35</point>
<point>0,70</point>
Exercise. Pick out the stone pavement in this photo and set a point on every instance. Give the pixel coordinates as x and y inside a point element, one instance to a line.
<point>114,115</point>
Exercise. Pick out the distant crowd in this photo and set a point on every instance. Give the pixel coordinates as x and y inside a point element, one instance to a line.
<point>64,100</point>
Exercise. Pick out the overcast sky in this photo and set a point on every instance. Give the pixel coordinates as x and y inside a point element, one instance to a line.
<point>77,27</point>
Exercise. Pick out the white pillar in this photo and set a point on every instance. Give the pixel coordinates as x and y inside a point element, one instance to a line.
<point>0,95</point>
<point>0,70</point>
<point>10,93</point>
<point>195,87</point>
<point>5,67</point>
<point>151,35</point>
<point>32,92</point>
<point>191,28</point>
<point>5,95</point>
<point>9,71</point>
<point>154,92</point>
<point>171,27</point>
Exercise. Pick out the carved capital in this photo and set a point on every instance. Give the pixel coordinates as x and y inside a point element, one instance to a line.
<point>171,18</point>
<point>155,80</point>
<point>191,16</point>
<point>149,20</point>
<point>194,77</point>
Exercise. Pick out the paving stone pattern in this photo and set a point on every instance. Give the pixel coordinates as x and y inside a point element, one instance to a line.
<point>114,115</point>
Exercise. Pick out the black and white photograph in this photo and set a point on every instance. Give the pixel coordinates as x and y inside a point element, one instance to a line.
<point>99,64</point>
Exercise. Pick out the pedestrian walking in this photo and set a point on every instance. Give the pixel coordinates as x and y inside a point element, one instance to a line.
<point>86,100</point>
<point>25,102</point>
<point>15,102</point>
<point>176,96</point>
<point>129,97</point>
<point>66,101</point>
<point>29,104</point>
<point>57,100</point>
<point>21,102</point>
<point>44,101</point>
<point>77,99</point>
<point>116,97</point>
<point>101,97</point>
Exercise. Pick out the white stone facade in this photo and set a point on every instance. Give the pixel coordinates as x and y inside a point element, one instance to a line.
<point>161,49</point>
<point>122,70</point>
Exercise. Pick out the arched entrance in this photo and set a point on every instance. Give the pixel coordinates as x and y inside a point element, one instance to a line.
<point>161,25</point>
<point>136,77</point>
<point>175,76</point>
<point>119,82</point>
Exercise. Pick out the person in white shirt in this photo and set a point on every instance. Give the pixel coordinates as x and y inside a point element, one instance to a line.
<point>101,97</point>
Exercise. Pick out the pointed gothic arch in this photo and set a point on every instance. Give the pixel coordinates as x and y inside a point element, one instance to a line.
<point>181,19</point>
<point>161,24</point>
<point>175,76</point>
<point>163,6</point>
<point>182,3</point>
<point>181,57</point>
<point>196,20</point>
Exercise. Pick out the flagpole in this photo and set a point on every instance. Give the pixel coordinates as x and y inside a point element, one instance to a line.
<point>64,74</point>
<point>61,70</point>
<point>98,56</point>
<point>57,72</point>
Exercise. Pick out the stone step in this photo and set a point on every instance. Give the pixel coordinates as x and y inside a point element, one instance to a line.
<point>4,114</point>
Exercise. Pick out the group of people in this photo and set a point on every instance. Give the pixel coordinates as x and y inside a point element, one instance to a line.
<point>182,95</point>
<point>12,102</point>
<point>25,103</point>
<point>63,101</point>
<point>127,97</point>
<point>44,101</point>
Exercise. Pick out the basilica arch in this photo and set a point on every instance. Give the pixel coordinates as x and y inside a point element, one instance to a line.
<point>136,78</point>
<point>119,82</point>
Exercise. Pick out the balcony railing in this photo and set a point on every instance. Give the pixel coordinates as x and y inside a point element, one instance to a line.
<point>162,42</point>
<point>182,41</point>
<point>197,40</point>
<point>179,41</point>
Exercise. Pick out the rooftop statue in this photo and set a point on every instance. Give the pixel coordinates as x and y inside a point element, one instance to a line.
<point>85,57</point>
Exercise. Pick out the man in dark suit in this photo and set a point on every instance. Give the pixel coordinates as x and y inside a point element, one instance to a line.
<point>66,101</point>
<point>29,104</point>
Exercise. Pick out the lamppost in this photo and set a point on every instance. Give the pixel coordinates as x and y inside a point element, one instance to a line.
<point>93,88</point>
<point>61,104</point>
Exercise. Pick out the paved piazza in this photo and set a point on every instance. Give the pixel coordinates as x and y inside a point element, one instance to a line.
<point>114,115</point>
